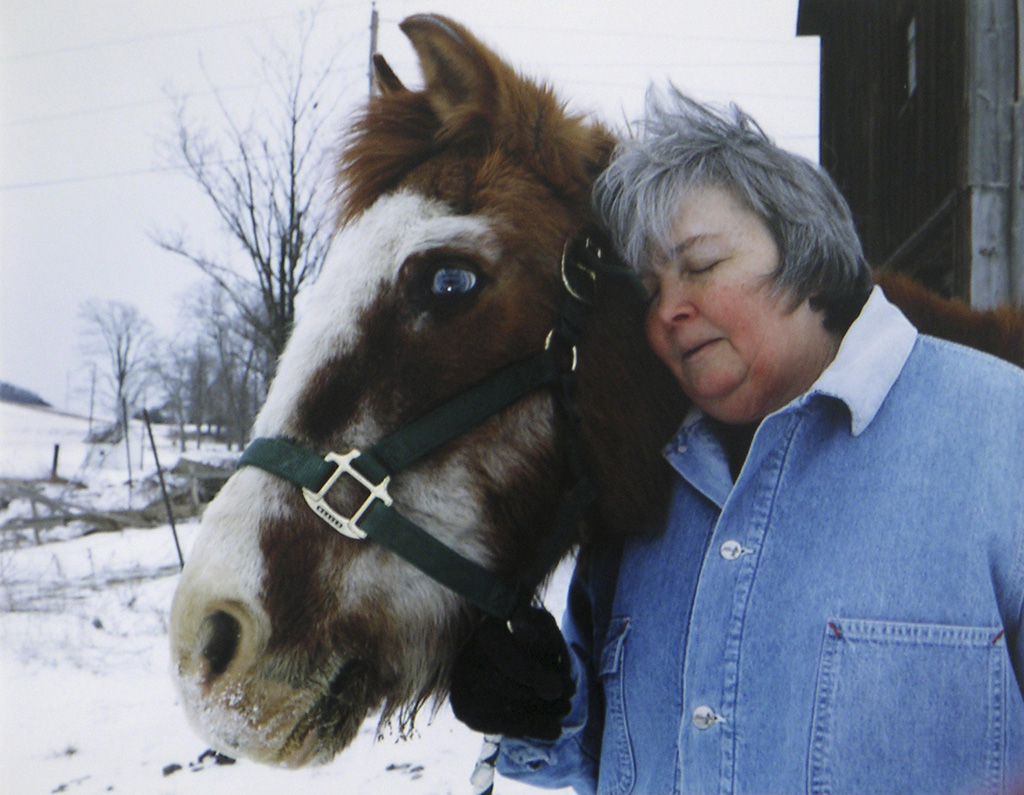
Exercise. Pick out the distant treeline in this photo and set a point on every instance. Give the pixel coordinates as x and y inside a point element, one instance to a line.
<point>15,394</point>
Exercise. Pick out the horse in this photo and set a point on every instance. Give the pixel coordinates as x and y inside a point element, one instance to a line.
<point>450,285</point>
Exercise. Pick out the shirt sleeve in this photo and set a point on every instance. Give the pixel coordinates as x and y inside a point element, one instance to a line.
<point>572,759</point>
<point>1016,634</point>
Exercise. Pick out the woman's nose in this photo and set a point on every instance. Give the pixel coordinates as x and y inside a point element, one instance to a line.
<point>673,303</point>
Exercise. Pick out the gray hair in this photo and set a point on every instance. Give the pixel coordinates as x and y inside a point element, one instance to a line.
<point>684,144</point>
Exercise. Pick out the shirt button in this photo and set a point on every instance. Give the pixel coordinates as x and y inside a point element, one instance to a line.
<point>704,717</point>
<point>731,550</point>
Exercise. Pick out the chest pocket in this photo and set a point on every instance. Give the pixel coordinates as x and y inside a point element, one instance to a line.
<point>909,708</point>
<point>618,765</point>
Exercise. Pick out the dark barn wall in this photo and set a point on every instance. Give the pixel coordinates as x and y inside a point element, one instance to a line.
<point>898,154</point>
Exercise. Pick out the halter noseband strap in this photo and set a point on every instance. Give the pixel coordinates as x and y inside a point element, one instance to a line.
<point>372,469</point>
<point>378,520</point>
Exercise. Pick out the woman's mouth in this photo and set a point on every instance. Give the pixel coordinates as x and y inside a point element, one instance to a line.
<point>696,349</point>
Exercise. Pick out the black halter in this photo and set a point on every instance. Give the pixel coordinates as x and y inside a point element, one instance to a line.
<point>555,366</point>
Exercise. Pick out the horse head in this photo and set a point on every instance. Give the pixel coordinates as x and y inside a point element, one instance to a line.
<point>455,202</point>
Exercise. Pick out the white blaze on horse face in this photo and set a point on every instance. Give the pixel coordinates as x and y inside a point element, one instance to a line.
<point>224,573</point>
<point>240,709</point>
<point>366,257</point>
<point>227,564</point>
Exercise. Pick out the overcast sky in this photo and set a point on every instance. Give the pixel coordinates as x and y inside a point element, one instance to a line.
<point>84,106</point>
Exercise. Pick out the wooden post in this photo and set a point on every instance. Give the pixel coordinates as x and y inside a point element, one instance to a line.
<point>1017,171</point>
<point>127,447</point>
<point>35,524</point>
<point>990,83</point>
<point>56,457</point>
<point>163,488</point>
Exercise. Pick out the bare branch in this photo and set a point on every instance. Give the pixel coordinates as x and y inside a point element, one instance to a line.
<point>263,182</point>
<point>117,334</point>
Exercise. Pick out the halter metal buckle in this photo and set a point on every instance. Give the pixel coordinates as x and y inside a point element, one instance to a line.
<point>316,499</point>
<point>572,262</point>
<point>575,356</point>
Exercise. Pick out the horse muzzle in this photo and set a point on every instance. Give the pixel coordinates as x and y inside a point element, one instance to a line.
<point>235,700</point>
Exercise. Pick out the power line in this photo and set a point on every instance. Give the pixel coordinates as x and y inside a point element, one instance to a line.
<point>619,33</point>
<point>138,172</point>
<point>75,114</point>
<point>101,45</point>
<point>46,183</point>
<point>166,34</point>
<point>142,103</point>
<point>156,35</point>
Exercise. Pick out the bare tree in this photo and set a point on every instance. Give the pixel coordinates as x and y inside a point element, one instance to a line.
<point>213,374</point>
<point>264,178</point>
<point>238,373</point>
<point>121,338</point>
<point>180,370</point>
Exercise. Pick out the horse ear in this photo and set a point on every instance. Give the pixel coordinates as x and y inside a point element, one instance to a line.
<point>456,67</point>
<point>385,81</point>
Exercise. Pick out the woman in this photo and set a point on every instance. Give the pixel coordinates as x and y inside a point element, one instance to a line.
<point>836,601</point>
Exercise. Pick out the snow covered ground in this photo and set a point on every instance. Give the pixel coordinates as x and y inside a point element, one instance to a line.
<point>86,702</point>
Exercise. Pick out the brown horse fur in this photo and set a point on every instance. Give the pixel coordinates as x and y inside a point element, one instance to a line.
<point>285,634</point>
<point>480,138</point>
<point>322,629</point>
<point>997,331</point>
<point>475,120</point>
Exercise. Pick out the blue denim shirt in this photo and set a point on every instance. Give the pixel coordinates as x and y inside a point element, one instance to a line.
<point>845,618</point>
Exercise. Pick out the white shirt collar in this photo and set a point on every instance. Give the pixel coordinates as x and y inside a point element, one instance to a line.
<point>867,364</point>
<point>869,360</point>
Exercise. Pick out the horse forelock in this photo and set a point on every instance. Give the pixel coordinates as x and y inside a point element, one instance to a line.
<point>445,150</point>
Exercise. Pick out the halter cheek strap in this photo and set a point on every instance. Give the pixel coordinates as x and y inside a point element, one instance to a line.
<point>378,520</point>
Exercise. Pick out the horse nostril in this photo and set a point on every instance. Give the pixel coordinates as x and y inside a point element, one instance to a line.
<point>221,633</point>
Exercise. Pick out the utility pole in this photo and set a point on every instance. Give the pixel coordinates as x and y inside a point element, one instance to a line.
<point>92,395</point>
<point>373,45</point>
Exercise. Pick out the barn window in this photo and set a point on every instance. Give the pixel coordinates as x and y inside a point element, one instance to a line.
<point>911,57</point>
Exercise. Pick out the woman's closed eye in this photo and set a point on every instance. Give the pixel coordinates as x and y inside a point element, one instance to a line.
<point>703,265</point>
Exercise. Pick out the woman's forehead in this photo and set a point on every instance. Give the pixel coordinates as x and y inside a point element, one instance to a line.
<point>697,209</point>
<point>705,215</point>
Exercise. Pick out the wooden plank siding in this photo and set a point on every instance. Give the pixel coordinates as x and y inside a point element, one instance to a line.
<point>990,79</point>
<point>927,168</point>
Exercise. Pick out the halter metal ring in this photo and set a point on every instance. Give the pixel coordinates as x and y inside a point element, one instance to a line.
<point>547,346</point>
<point>571,261</point>
<point>316,499</point>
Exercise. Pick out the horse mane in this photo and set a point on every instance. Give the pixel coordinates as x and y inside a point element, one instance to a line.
<point>999,331</point>
<point>442,139</point>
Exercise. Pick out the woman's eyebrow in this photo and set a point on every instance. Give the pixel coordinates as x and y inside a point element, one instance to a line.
<point>692,241</point>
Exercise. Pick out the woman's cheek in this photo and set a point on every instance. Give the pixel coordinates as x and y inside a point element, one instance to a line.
<point>660,341</point>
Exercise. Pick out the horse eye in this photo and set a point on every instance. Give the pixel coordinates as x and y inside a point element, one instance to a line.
<point>453,281</point>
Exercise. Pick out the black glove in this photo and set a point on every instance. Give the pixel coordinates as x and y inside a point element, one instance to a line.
<point>514,683</point>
